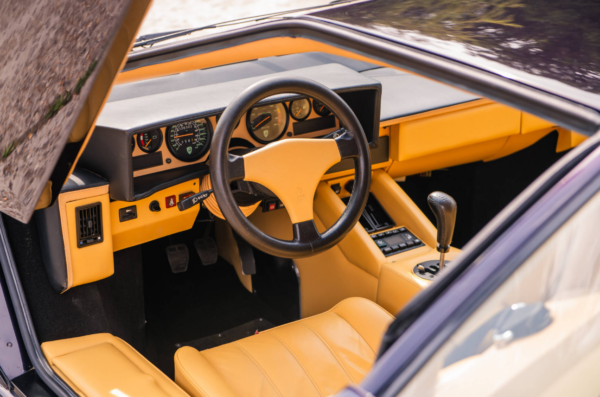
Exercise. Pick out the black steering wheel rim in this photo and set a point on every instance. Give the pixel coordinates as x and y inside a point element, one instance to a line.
<point>225,168</point>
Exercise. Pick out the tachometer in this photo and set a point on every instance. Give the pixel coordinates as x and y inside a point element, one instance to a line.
<point>150,141</point>
<point>267,123</point>
<point>190,140</point>
<point>300,109</point>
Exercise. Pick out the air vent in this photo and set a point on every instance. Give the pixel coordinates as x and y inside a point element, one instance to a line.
<point>89,224</point>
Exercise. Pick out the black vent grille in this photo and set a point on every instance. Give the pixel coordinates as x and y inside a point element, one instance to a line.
<point>89,224</point>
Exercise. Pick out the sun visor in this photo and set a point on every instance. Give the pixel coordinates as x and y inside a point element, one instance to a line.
<point>58,61</point>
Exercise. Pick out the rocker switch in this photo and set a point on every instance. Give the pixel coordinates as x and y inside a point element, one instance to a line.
<point>127,213</point>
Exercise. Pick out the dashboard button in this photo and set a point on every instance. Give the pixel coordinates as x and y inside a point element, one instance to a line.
<point>386,250</point>
<point>396,247</point>
<point>170,201</point>
<point>395,231</point>
<point>380,243</point>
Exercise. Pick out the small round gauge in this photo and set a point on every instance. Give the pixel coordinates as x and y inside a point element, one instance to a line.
<point>300,109</point>
<point>150,141</point>
<point>267,123</point>
<point>190,140</point>
<point>320,108</point>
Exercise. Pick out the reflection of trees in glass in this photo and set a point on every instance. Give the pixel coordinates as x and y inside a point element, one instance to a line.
<point>543,37</point>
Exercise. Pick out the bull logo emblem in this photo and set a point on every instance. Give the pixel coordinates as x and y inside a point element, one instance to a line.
<point>266,133</point>
<point>189,149</point>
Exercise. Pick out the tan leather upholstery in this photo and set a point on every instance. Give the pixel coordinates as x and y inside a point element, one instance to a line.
<point>102,365</point>
<point>316,356</point>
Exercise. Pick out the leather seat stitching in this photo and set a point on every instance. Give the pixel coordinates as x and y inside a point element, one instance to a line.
<point>332,352</point>
<point>189,377</point>
<point>259,367</point>
<point>299,362</point>
<point>358,333</point>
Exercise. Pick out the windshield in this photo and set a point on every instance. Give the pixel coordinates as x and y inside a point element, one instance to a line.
<point>171,15</point>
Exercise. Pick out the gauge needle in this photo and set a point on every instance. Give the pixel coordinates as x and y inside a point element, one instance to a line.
<point>146,145</point>
<point>322,107</point>
<point>262,121</point>
<point>298,112</point>
<point>180,136</point>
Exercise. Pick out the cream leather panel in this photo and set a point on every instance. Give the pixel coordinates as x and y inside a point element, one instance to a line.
<point>316,356</point>
<point>102,365</point>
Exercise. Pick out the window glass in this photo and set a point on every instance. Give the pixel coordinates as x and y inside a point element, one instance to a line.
<point>538,334</point>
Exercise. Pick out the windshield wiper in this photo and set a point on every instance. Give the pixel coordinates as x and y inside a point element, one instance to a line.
<point>153,38</point>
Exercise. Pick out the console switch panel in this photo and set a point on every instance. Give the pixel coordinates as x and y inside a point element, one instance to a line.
<point>395,241</point>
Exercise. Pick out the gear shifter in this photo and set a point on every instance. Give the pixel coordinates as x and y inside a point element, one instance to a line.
<point>444,209</point>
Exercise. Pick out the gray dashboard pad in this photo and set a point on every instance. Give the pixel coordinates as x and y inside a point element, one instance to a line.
<point>137,114</point>
<point>403,94</point>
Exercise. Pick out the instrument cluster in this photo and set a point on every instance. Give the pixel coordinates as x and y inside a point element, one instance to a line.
<point>189,141</point>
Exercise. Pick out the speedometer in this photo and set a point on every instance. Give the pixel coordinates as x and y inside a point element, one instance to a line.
<point>267,123</point>
<point>190,140</point>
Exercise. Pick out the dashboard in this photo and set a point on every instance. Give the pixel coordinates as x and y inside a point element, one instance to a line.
<point>156,133</point>
<point>150,141</point>
<point>185,143</point>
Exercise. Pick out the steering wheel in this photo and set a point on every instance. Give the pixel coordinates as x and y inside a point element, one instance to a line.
<point>290,168</point>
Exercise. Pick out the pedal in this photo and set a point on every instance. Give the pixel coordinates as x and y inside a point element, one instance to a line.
<point>179,257</point>
<point>207,250</point>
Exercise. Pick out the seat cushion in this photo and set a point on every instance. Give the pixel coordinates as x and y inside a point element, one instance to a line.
<point>316,356</point>
<point>102,365</point>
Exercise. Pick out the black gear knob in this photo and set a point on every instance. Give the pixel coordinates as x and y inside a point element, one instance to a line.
<point>444,209</point>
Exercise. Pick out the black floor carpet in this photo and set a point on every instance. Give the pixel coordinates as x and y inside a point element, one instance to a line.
<point>250,328</point>
<point>204,301</point>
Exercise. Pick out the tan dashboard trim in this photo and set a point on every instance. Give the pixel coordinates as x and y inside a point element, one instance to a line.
<point>76,195</point>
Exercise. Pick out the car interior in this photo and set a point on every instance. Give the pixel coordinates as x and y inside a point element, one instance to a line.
<point>169,270</point>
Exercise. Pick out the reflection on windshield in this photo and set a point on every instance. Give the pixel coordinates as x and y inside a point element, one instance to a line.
<point>169,15</point>
<point>548,38</point>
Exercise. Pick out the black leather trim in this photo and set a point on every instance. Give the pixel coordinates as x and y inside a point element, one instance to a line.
<point>305,232</point>
<point>81,178</point>
<point>147,185</point>
<point>347,146</point>
<point>52,246</point>
<point>379,154</point>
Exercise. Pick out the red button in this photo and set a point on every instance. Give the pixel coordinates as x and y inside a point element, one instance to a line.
<point>271,206</point>
<point>170,201</point>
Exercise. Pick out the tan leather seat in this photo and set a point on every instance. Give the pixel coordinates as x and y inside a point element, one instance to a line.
<point>101,365</point>
<point>316,356</point>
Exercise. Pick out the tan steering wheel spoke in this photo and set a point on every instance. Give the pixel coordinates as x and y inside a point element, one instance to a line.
<point>292,169</point>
